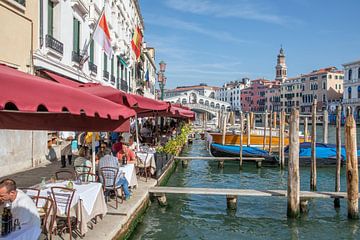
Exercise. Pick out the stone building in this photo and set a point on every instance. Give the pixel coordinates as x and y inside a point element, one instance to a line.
<point>351,93</point>
<point>230,92</point>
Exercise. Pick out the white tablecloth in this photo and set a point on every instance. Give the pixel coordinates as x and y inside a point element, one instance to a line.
<point>148,159</point>
<point>130,174</point>
<point>88,202</point>
<point>25,233</point>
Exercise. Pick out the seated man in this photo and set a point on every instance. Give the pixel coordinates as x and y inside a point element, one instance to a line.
<point>128,153</point>
<point>110,161</point>
<point>81,163</point>
<point>22,206</point>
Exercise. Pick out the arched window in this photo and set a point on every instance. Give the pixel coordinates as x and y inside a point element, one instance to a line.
<point>349,92</point>
<point>350,74</point>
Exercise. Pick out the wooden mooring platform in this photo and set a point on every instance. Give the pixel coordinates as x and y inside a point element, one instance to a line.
<point>233,194</point>
<point>257,160</point>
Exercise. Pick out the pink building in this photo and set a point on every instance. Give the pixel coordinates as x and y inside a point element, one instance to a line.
<point>254,98</point>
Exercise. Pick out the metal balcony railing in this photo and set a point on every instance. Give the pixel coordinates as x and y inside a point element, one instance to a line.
<point>112,79</point>
<point>76,57</point>
<point>92,67</point>
<point>54,44</point>
<point>106,75</point>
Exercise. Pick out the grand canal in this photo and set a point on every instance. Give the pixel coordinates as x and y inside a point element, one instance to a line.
<point>206,217</point>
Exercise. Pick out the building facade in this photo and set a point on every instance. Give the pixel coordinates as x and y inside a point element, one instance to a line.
<point>150,73</point>
<point>272,94</point>
<point>254,98</point>
<point>230,93</point>
<point>66,47</point>
<point>20,150</point>
<point>351,94</point>
<point>326,85</point>
<point>291,94</point>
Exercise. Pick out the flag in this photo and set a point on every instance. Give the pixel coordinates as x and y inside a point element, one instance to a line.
<point>102,35</point>
<point>136,42</point>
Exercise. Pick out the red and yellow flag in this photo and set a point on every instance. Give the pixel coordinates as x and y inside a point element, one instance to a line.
<point>136,42</point>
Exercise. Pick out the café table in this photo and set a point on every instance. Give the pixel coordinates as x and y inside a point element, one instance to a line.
<point>25,233</point>
<point>130,174</point>
<point>147,157</point>
<point>88,201</point>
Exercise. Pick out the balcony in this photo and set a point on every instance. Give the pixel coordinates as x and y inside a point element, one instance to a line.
<point>76,57</point>
<point>54,44</point>
<point>112,79</point>
<point>92,67</point>
<point>124,85</point>
<point>106,75</point>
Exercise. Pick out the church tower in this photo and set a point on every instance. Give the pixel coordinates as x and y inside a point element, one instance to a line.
<point>281,70</point>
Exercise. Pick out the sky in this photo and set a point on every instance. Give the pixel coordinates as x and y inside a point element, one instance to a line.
<point>216,41</point>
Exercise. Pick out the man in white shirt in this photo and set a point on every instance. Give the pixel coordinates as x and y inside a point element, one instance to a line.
<point>22,207</point>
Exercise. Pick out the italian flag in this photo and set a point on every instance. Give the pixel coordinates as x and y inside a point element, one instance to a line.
<point>136,42</point>
<point>102,35</point>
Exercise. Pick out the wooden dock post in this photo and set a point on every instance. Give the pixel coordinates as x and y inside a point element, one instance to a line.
<point>280,137</point>
<point>271,128</point>
<point>221,164</point>
<point>185,163</point>
<point>248,129</point>
<point>252,120</point>
<point>265,128</point>
<point>306,130</point>
<point>293,190</point>
<point>231,202</point>
<point>282,141</point>
<point>241,138</point>
<point>338,154</point>
<point>352,177</point>
<point>313,148</point>
<point>224,129</point>
<point>161,198</point>
<point>304,205</point>
<point>325,126</point>
<point>275,115</point>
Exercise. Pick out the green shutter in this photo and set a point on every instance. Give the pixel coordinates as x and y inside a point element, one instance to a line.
<point>76,39</point>
<point>112,66</point>
<point>105,62</point>
<point>118,68</point>
<point>50,17</point>
<point>91,50</point>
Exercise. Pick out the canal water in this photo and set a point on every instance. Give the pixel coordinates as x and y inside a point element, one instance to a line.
<point>206,217</point>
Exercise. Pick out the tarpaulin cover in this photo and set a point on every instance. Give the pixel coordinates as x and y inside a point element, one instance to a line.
<point>248,151</point>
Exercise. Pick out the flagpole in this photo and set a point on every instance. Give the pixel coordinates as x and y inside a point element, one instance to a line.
<point>91,34</point>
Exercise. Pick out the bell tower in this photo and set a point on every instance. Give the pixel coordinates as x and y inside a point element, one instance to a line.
<point>281,69</point>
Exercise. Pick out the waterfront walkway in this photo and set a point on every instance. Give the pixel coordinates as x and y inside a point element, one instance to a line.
<point>115,222</point>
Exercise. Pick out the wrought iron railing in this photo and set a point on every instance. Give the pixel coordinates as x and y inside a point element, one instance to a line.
<point>112,79</point>
<point>76,57</point>
<point>54,44</point>
<point>92,67</point>
<point>106,75</point>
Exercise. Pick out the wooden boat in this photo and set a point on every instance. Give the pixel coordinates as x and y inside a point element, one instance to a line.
<point>218,150</point>
<point>325,154</point>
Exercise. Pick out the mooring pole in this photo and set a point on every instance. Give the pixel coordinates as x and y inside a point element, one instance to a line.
<point>313,149</point>
<point>271,128</point>
<point>293,208</point>
<point>248,129</point>
<point>265,128</point>
<point>306,129</point>
<point>275,115</point>
<point>352,177</point>
<point>325,126</point>
<point>282,160</point>
<point>252,118</point>
<point>224,129</point>
<point>280,137</point>
<point>338,154</point>
<point>241,137</point>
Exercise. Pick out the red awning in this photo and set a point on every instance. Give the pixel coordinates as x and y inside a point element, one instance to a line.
<point>62,80</point>
<point>32,96</point>
<point>173,112</point>
<point>139,103</point>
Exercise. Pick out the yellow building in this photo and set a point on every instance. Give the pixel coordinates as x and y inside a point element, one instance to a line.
<point>19,33</point>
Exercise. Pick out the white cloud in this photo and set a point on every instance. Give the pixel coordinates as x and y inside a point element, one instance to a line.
<point>239,9</point>
<point>174,23</point>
